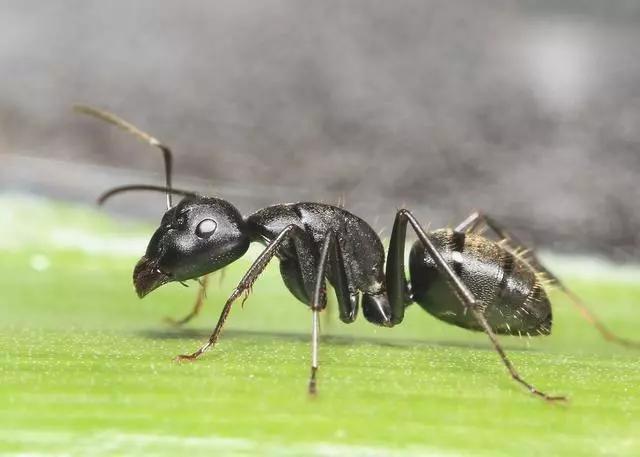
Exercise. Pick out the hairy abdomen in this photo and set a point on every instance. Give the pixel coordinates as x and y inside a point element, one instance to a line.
<point>506,284</point>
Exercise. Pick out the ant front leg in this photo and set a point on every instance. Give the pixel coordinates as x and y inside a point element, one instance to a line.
<point>476,219</point>
<point>466,297</point>
<point>197,306</point>
<point>244,286</point>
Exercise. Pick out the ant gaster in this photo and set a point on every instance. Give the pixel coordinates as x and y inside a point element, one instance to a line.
<point>457,275</point>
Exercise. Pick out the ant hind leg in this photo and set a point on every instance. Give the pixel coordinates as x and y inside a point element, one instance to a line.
<point>467,298</point>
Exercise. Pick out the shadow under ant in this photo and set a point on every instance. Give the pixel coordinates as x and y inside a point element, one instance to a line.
<point>336,340</point>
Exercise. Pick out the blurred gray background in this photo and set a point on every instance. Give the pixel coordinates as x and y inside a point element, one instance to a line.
<point>529,110</point>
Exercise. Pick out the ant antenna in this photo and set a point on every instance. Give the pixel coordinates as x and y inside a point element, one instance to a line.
<point>124,125</point>
<point>118,190</point>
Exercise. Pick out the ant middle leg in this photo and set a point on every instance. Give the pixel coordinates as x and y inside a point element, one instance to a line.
<point>466,297</point>
<point>476,219</point>
<point>318,303</point>
<point>330,254</point>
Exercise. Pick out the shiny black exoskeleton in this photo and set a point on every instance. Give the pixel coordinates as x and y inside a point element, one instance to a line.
<point>509,288</point>
<point>457,275</point>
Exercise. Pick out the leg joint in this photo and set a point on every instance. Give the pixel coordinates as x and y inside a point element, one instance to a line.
<point>403,212</point>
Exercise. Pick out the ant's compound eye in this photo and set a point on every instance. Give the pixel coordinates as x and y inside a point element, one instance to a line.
<point>206,227</point>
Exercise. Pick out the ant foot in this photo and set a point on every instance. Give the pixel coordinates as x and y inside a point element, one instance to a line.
<point>186,357</point>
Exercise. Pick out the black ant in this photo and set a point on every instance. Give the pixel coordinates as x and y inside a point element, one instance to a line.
<point>457,275</point>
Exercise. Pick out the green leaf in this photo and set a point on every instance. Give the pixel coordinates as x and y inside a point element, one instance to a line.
<point>87,368</point>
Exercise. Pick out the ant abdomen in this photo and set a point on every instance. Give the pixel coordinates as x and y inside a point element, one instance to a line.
<point>508,287</point>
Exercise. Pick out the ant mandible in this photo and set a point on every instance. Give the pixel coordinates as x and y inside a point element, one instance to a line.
<point>457,275</point>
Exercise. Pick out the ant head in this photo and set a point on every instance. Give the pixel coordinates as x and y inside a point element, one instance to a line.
<point>198,236</point>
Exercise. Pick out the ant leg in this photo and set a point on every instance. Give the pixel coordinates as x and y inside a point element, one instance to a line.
<point>197,306</point>
<point>347,302</point>
<point>318,303</point>
<point>244,286</point>
<point>347,299</point>
<point>397,287</point>
<point>470,224</point>
<point>476,219</point>
<point>467,299</point>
